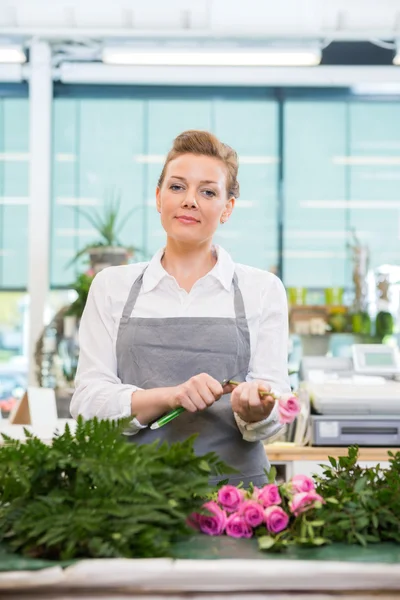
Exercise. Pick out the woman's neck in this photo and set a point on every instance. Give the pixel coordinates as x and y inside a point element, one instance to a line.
<point>188,264</point>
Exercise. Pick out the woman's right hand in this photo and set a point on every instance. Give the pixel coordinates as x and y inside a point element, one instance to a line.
<point>197,393</point>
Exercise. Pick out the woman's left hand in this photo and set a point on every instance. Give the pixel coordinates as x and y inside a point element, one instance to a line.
<point>247,402</point>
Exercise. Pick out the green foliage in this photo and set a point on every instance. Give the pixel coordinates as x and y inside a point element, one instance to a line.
<point>361,506</point>
<point>93,494</point>
<point>81,286</point>
<point>363,503</point>
<point>108,225</point>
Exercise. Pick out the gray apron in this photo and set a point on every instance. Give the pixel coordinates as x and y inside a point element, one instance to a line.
<point>163,352</point>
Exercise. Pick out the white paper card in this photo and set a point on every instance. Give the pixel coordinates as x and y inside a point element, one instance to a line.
<point>42,406</point>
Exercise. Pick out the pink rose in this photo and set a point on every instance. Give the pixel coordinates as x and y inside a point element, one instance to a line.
<point>276,519</point>
<point>213,524</point>
<point>288,409</point>
<point>304,501</point>
<point>237,527</point>
<point>230,497</point>
<point>302,483</point>
<point>269,495</point>
<point>252,512</point>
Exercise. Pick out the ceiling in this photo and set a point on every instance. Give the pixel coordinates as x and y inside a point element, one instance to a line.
<point>327,19</point>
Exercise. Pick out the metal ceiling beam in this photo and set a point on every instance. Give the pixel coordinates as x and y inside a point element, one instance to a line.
<point>77,33</point>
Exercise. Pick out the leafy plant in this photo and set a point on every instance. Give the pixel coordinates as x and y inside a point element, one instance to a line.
<point>93,494</point>
<point>361,506</point>
<point>348,504</point>
<point>108,225</point>
<point>364,502</point>
<point>81,286</point>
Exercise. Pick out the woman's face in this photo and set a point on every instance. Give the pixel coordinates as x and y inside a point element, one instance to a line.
<point>193,200</point>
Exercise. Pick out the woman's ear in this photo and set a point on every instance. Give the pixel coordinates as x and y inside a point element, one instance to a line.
<point>158,199</point>
<point>229,208</point>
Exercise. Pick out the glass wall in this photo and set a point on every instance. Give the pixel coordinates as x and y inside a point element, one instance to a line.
<point>315,213</point>
<point>14,206</point>
<point>342,174</point>
<point>14,192</point>
<point>107,145</point>
<point>374,178</point>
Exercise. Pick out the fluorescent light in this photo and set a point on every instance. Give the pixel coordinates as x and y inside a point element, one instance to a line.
<point>377,89</point>
<point>12,54</point>
<point>235,58</point>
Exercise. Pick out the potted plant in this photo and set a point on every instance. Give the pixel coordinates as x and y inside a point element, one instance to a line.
<point>108,251</point>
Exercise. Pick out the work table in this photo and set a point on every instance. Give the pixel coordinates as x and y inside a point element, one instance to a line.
<point>289,452</point>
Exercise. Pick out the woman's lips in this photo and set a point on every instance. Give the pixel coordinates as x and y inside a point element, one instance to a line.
<point>187,220</point>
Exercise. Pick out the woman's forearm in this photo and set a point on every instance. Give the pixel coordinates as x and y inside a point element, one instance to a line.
<point>148,405</point>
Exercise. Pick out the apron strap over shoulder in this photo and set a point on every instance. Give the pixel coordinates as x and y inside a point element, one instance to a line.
<point>130,303</point>
<point>238,299</point>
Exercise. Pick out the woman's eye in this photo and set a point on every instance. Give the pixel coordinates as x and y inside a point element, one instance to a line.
<point>209,193</point>
<point>175,187</point>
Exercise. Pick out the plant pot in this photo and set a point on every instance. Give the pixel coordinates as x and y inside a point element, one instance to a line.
<point>361,323</point>
<point>338,319</point>
<point>107,256</point>
<point>384,324</point>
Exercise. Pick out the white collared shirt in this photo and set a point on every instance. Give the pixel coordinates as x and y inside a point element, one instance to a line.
<point>99,392</point>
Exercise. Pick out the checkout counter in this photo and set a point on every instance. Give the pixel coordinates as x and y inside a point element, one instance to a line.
<point>353,400</point>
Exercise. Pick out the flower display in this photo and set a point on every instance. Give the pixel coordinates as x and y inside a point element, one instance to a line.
<point>268,513</point>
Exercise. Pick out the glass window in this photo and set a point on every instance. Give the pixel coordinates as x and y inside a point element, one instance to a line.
<point>315,217</point>
<point>250,127</point>
<point>102,144</point>
<point>374,176</point>
<point>14,192</point>
<point>96,142</point>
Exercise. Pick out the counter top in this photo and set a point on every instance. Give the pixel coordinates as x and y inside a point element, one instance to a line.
<point>288,452</point>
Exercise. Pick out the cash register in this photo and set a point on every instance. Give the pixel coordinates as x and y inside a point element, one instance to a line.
<point>354,400</point>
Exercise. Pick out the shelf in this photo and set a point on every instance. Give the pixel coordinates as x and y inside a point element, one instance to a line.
<point>286,453</point>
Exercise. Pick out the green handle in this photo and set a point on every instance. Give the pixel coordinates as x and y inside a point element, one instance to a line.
<point>167,418</point>
<point>178,411</point>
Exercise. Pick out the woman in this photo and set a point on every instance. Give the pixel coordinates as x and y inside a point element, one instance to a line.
<point>166,334</point>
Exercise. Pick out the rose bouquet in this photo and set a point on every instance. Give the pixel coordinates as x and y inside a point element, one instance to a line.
<point>346,504</point>
<point>278,515</point>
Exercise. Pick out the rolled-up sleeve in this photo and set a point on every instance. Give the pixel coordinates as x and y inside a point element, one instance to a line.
<point>98,390</point>
<point>269,361</point>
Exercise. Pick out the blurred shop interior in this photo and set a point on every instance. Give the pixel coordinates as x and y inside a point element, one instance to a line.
<point>92,95</point>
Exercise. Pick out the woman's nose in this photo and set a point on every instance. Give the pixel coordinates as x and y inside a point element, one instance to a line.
<point>190,201</point>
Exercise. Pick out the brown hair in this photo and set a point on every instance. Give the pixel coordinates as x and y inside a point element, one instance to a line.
<point>204,143</point>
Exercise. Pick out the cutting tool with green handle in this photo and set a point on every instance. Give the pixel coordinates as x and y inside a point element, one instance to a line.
<point>164,420</point>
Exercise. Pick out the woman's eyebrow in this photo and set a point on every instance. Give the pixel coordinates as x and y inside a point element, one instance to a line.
<point>185,180</point>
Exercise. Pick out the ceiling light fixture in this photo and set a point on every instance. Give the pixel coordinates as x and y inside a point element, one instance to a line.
<point>255,57</point>
<point>12,54</point>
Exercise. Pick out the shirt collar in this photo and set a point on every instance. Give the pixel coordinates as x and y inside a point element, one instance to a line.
<point>222,271</point>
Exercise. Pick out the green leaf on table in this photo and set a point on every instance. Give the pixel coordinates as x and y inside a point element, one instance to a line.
<point>266,542</point>
<point>319,541</point>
